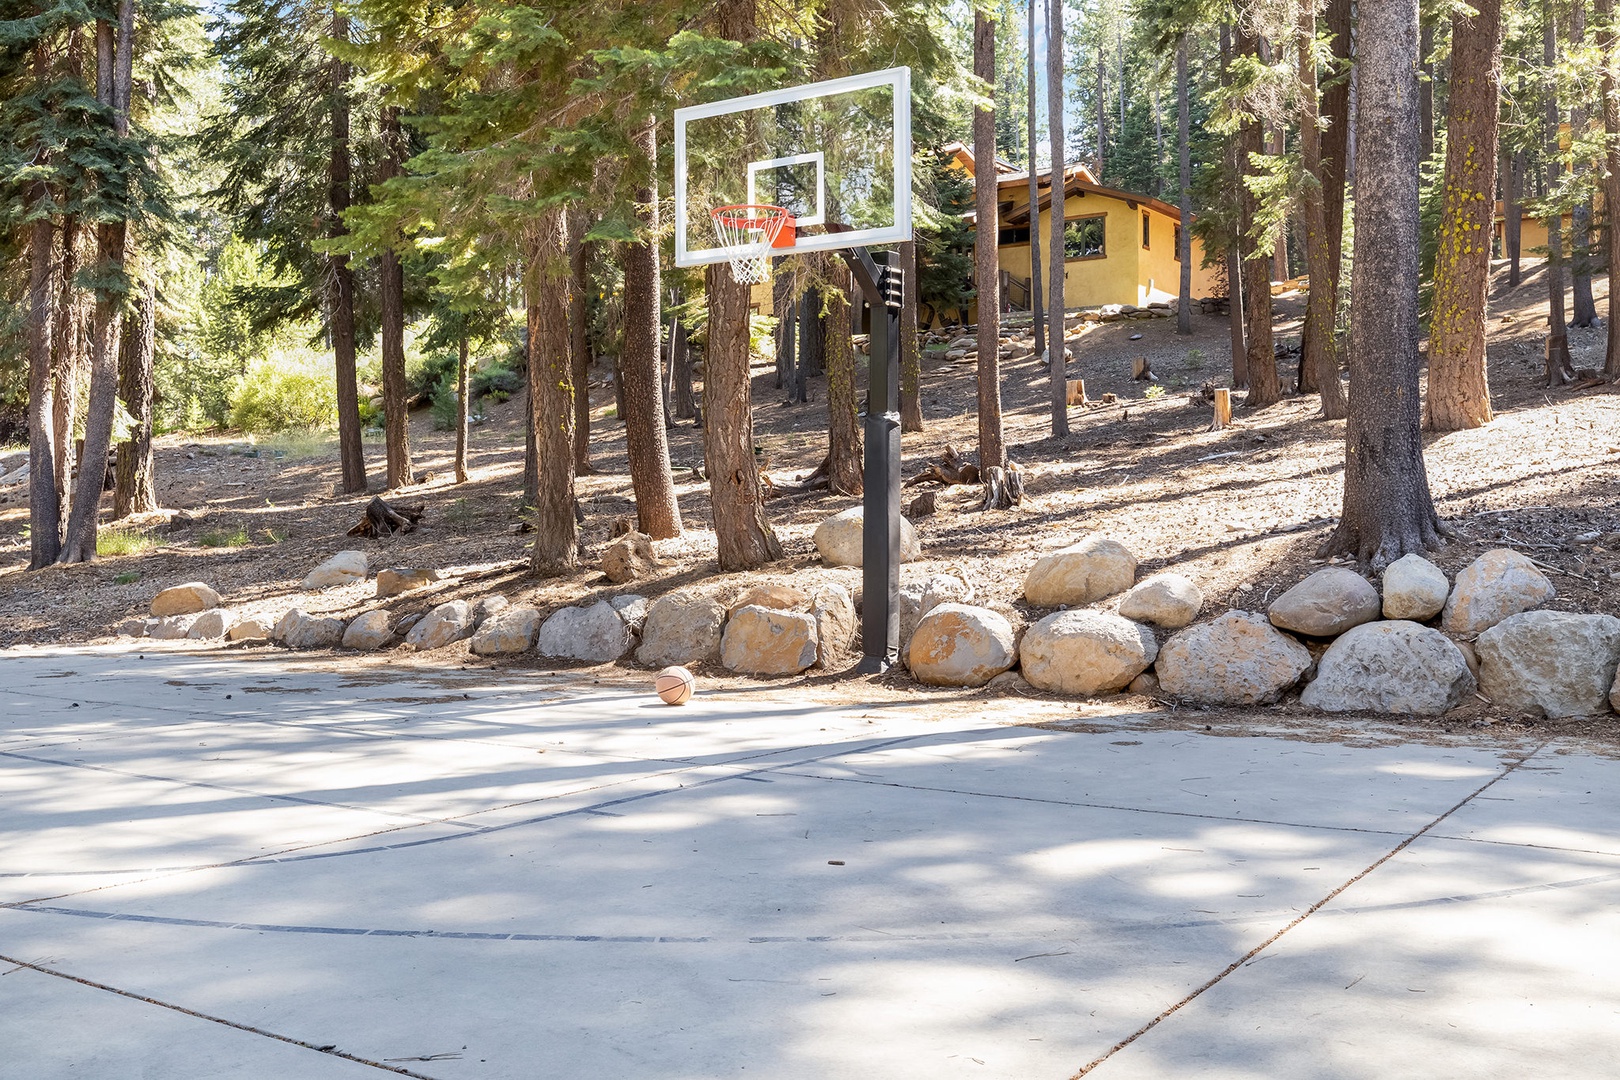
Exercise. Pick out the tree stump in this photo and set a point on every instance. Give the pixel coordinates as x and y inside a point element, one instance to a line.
<point>385,519</point>
<point>1077,392</point>
<point>1003,488</point>
<point>1223,409</point>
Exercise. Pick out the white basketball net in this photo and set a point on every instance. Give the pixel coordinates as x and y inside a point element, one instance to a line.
<point>753,230</point>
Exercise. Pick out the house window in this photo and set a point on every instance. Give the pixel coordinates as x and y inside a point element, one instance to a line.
<point>1013,236</point>
<point>1145,230</point>
<point>1178,243</point>
<point>1083,238</point>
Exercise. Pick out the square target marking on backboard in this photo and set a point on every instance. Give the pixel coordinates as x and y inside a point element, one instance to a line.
<point>836,155</point>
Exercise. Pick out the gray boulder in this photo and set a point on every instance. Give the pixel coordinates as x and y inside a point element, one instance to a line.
<point>489,607</point>
<point>1397,666</point>
<point>1326,604</point>
<point>298,629</point>
<point>681,628</point>
<point>170,627</point>
<point>344,568</point>
<point>1095,568</point>
<point>1497,584</point>
<point>187,599</point>
<point>211,625</point>
<point>1236,659</point>
<point>447,623</point>
<point>834,612</point>
<point>1085,652</point>
<point>368,632</point>
<point>512,630</point>
<point>960,645</point>
<point>1168,600</point>
<point>1553,663</point>
<point>1415,589</point>
<point>632,609</point>
<point>762,641</point>
<point>594,633</point>
<point>838,539</point>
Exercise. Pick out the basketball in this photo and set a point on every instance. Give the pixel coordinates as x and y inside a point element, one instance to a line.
<point>674,685</point>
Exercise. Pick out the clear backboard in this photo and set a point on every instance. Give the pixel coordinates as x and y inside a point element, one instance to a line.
<point>836,155</point>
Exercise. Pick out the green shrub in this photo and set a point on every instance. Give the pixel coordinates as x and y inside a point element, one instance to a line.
<point>497,381</point>
<point>444,403</point>
<point>283,392</point>
<point>428,374</point>
<point>128,577</point>
<point>236,537</point>
<point>124,540</point>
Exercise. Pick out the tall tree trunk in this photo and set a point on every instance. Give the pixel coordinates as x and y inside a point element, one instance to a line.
<point>114,59</point>
<point>1426,87</point>
<point>66,364</point>
<point>1581,215</point>
<point>1336,139</point>
<point>1037,297</point>
<point>644,435</point>
<point>1184,163</point>
<point>812,335</point>
<point>911,414</point>
<point>551,398</point>
<point>1102,110</point>
<point>44,511</point>
<point>391,296</point>
<point>1388,511</point>
<point>1513,211</point>
<point>1459,396</point>
<point>134,482</point>
<point>579,345</point>
<point>1234,256</point>
<point>843,424</point>
<point>1559,368</point>
<point>1057,373</point>
<point>340,275</point>
<point>986,260</point>
<point>463,391</point>
<point>1607,40</point>
<point>1317,353</point>
<point>1264,389</point>
<point>744,536</point>
<point>681,358</point>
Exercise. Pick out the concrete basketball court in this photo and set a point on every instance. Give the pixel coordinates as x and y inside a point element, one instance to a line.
<point>229,866</point>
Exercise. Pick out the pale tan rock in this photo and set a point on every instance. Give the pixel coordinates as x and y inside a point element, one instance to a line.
<point>1145,684</point>
<point>629,557</point>
<point>393,582</point>
<point>960,645</point>
<point>760,641</point>
<point>1009,682</point>
<point>344,568</point>
<point>211,625</point>
<point>171,627</point>
<point>772,595</point>
<point>187,599</point>
<point>298,629</point>
<point>632,609</point>
<point>1236,659</point>
<point>1395,666</point>
<point>509,631</point>
<point>489,607</point>
<point>447,623</point>
<point>834,612</point>
<point>1326,604</point>
<point>1094,568</point>
<point>681,628</point>
<point>1499,583</point>
<point>250,630</point>
<point>596,634</point>
<point>1415,589</point>
<point>838,539</point>
<point>1552,663</point>
<point>1085,652</point>
<point>1168,600</point>
<point>368,632</point>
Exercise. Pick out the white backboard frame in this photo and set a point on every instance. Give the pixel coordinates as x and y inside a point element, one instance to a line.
<point>897,78</point>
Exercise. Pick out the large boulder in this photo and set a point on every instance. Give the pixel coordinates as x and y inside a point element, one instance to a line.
<point>1168,600</point>
<point>211,625</point>
<point>447,623</point>
<point>298,629</point>
<point>1414,588</point>
<point>1094,568</point>
<point>1390,667</point>
<point>834,612</point>
<point>1236,659</point>
<point>511,630</point>
<point>629,557</point>
<point>838,539</point>
<point>171,627</point>
<point>1326,604</point>
<point>1085,652</point>
<point>1497,584</point>
<point>681,628</point>
<point>398,580</point>
<point>632,609</point>
<point>368,632</point>
<point>960,645</point>
<point>344,568</point>
<point>761,641</point>
<point>1614,693</point>
<point>250,630</point>
<point>594,633</point>
<point>489,607</point>
<point>773,595</point>
<point>187,599</point>
<point>919,596</point>
<point>1553,663</point>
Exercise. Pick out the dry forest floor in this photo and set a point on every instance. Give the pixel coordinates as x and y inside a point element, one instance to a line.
<point>1242,511</point>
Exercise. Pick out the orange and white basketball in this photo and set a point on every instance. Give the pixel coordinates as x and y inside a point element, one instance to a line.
<point>674,685</point>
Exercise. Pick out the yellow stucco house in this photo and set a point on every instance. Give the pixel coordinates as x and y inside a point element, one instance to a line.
<point>1121,248</point>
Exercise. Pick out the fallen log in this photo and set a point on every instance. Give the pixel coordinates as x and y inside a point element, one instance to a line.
<point>952,468</point>
<point>385,519</point>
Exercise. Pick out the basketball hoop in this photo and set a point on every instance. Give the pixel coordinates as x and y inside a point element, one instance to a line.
<point>752,230</point>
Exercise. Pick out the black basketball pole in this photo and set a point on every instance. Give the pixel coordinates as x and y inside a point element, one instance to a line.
<point>880,503</point>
